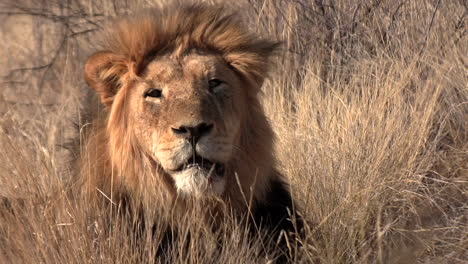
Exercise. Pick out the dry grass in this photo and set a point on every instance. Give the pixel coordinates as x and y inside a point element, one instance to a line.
<point>370,105</point>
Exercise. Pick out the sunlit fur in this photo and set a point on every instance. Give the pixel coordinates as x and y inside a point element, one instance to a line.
<point>129,154</point>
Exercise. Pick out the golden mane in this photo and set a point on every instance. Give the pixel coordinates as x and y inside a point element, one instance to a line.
<point>179,29</point>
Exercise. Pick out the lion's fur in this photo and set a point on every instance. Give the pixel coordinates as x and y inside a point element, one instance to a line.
<point>180,28</point>
<point>113,160</point>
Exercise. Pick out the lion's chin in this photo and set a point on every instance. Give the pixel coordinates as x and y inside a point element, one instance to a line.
<point>197,181</point>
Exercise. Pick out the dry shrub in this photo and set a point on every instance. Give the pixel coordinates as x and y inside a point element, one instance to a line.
<point>369,104</point>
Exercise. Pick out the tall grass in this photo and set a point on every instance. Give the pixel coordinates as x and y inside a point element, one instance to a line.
<point>369,101</point>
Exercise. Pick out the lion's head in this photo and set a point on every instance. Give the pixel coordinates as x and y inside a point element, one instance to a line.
<point>181,86</point>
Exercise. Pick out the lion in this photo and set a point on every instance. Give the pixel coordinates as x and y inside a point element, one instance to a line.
<point>183,120</point>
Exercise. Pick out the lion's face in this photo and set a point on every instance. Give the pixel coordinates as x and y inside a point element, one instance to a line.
<point>186,114</point>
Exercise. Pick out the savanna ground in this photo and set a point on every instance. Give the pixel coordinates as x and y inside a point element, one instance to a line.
<point>369,101</point>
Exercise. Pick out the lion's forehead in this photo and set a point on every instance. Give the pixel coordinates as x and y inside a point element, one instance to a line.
<point>201,64</point>
<point>163,70</point>
<point>168,69</point>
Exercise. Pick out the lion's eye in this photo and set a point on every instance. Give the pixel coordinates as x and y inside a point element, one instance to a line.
<point>155,93</point>
<point>213,83</point>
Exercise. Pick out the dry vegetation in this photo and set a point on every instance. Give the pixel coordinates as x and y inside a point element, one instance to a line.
<point>369,101</point>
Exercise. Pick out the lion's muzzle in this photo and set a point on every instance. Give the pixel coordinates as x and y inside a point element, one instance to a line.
<point>193,133</point>
<point>197,158</point>
<point>198,176</point>
<point>197,161</point>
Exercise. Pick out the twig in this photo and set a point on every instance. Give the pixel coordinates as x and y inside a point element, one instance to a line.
<point>426,38</point>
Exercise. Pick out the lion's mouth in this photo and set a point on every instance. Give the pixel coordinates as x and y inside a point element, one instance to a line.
<point>202,163</point>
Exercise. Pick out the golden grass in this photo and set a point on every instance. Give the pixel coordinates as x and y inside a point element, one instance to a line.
<point>369,102</point>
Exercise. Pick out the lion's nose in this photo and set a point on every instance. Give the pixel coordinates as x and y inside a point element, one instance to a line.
<point>193,132</point>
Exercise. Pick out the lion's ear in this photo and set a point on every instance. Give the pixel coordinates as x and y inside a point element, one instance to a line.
<point>254,61</point>
<point>103,72</point>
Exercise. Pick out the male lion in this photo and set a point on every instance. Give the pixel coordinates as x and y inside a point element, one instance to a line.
<point>183,119</point>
